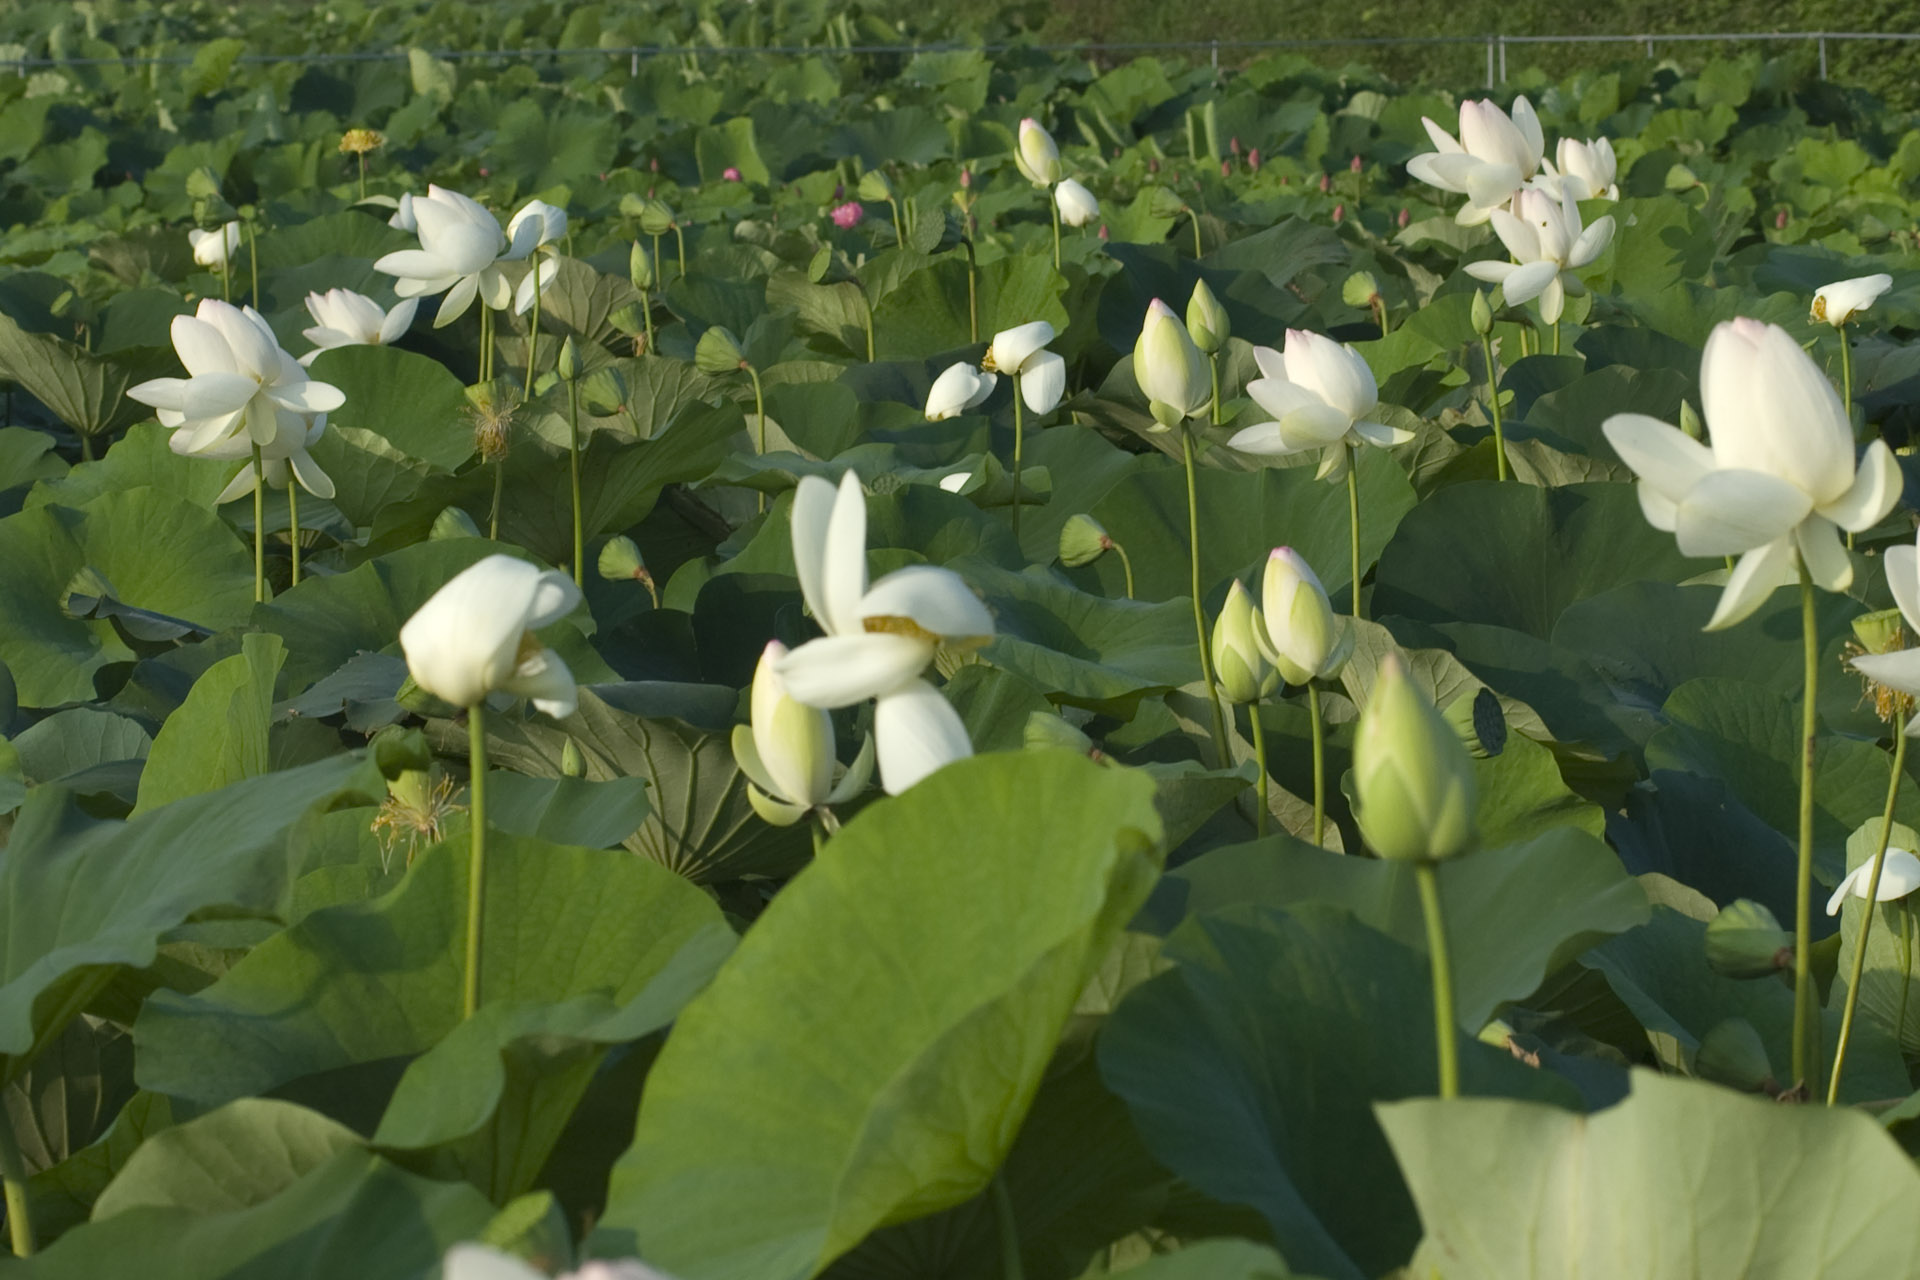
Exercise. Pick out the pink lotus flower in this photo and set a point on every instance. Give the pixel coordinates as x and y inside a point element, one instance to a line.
<point>1405,217</point>
<point>1326,182</point>
<point>1355,166</point>
<point>1103,231</point>
<point>1339,212</point>
<point>847,216</point>
<point>1780,220</point>
<point>1253,159</point>
<point>966,179</point>
<point>730,173</point>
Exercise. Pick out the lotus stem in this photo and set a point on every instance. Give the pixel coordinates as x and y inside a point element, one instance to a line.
<point>499,495</point>
<point>866,315</point>
<point>86,441</point>
<point>659,272</point>
<point>1213,372</point>
<point>1555,326</point>
<point>1126,567</point>
<point>259,527</point>
<point>1353,524</point>
<point>646,314</point>
<point>760,429</point>
<point>362,158</point>
<point>680,245</point>
<point>899,235</point>
<point>973,305</point>
<point>1493,409</point>
<point>1260,759</point>
<point>1054,209</point>
<point>1193,216</point>
<point>253,264</point>
<point>1873,900</point>
<point>13,1172</point>
<point>1446,1036</point>
<point>573,475</point>
<point>1380,313</point>
<point>1846,374</point>
<point>1019,433</point>
<point>1806,1026</point>
<point>533,334</point>
<point>476,853</point>
<point>293,524</point>
<point>1011,1267</point>
<point>226,279</point>
<point>1319,766</point>
<point>1200,613</point>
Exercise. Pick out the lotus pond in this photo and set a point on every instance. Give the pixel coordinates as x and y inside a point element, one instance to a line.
<point>947,665</point>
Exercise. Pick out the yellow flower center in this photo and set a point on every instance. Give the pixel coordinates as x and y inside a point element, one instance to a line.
<point>361,141</point>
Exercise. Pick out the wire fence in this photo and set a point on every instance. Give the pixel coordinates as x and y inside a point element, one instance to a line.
<point>1496,45</point>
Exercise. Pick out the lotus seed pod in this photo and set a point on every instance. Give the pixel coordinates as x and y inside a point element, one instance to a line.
<point>1082,541</point>
<point>1046,729</point>
<point>874,186</point>
<point>1482,313</point>
<point>397,750</point>
<point>718,351</point>
<point>1414,789</point>
<point>1360,289</point>
<point>1480,722</point>
<point>1732,1053</point>
<point>620,560</point>
<point>1746,941</point>
<point>1880,632</point>
<point>656,218</point>
<point>572,763</point>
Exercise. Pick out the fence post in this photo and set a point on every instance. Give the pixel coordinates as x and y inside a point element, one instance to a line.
<point>1823,55</point>
<point>633,68</point>
<point>1649,47</point>
<point>1503,59</point>
<point>1216,56</point>
<point>1490,80</point>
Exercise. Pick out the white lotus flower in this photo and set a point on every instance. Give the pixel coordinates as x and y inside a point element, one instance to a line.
<point>787,751</point>
<point>547,224</point>
<point>1168,365</point>
<point>481,1262</point>
<point>1586,170</point>
<point>1899,876</point>
<point>1021,353</point>
<point>343,318</point>
<point>1076,204</point>
<point>1841,301</point>
<point>403,219</point>
<point>461,247</point>
<point>475,636</point>
<point>880,637</point>
<point>214,249</point>
<point>1548,244</point>
<point>1899,670</point>
<point>959,388</point>
<point>1494,155</point>
<point>1037,156</point>
<point>283,459</point>
<point>1321,394</point>
<point>1779,481</point>
<point>1302,637</point>
<point>240,384</point>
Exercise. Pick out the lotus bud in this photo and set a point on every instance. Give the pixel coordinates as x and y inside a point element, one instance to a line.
<point>1746,941</point>
<point>1168,366</point>
<point>1240,670</point>
<point>1339,212</point>
<point>1226,168</point>
<point>1356,165</point>
<point>1413,782</point>
<point>730,174</point>
<point>452,523</point>
<point>1690,424</point>
<point>966,179</point>
<point>1082,541</point>
<point>1780,220</point>
<point>572,763</point>
<point>640,267</point>
<point>1482,313</point>
<point>1305,641</point>
<point>1406,216</point>
<point>1880,632</point>
<point>1047,729</point>
<point>1037,156</point>
<point>620,560</point>
<point>568,364</point>
<point>1253,160</point>
<point>1076,204</point>
<point>718,351</point>
<point>1479,722</point>
<point>1732,1054</point>
<point>1326,182</point>
<point>1207,321</point>
<point>656,217</point>
<point>1233,144</point>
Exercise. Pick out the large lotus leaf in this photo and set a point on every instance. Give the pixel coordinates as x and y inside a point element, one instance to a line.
<point>1243,517</point>
<point>1223,1259</point>
<point>233,1157</point>
<point>1516,555</point>
<point>1253,1065</point>
<point>353,1214</point>
<point>575,811</point>
<point>1522,795</point>
<point>1084,467</point>
<point>910,135</point>
<point>160,553</point>
<point>328,621</point>
<point>219,734</point>
<point>381,979</point>
<point>547,147</point>
<point>699,821</point>
<point>1249,277</point>
<point>27,455</point>
<point>1514,915</point>
<point>63,1196</point>
<point>934,1053</point>
<point>368,473</point>
<point>928,312</point>
<point>1646,639</point>
<point>1748,736</point>
<point>138,458</point>
<point>1680,1180</point>
<point>83,390</point>
<point>82,748</point>
<point>409,400</point>
<point>1660,972</point>
<point>1569,417</point>
<point>1695,830</point>
<point>64,934</point>
<point>1082,647</point>
<point>730,145</point>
